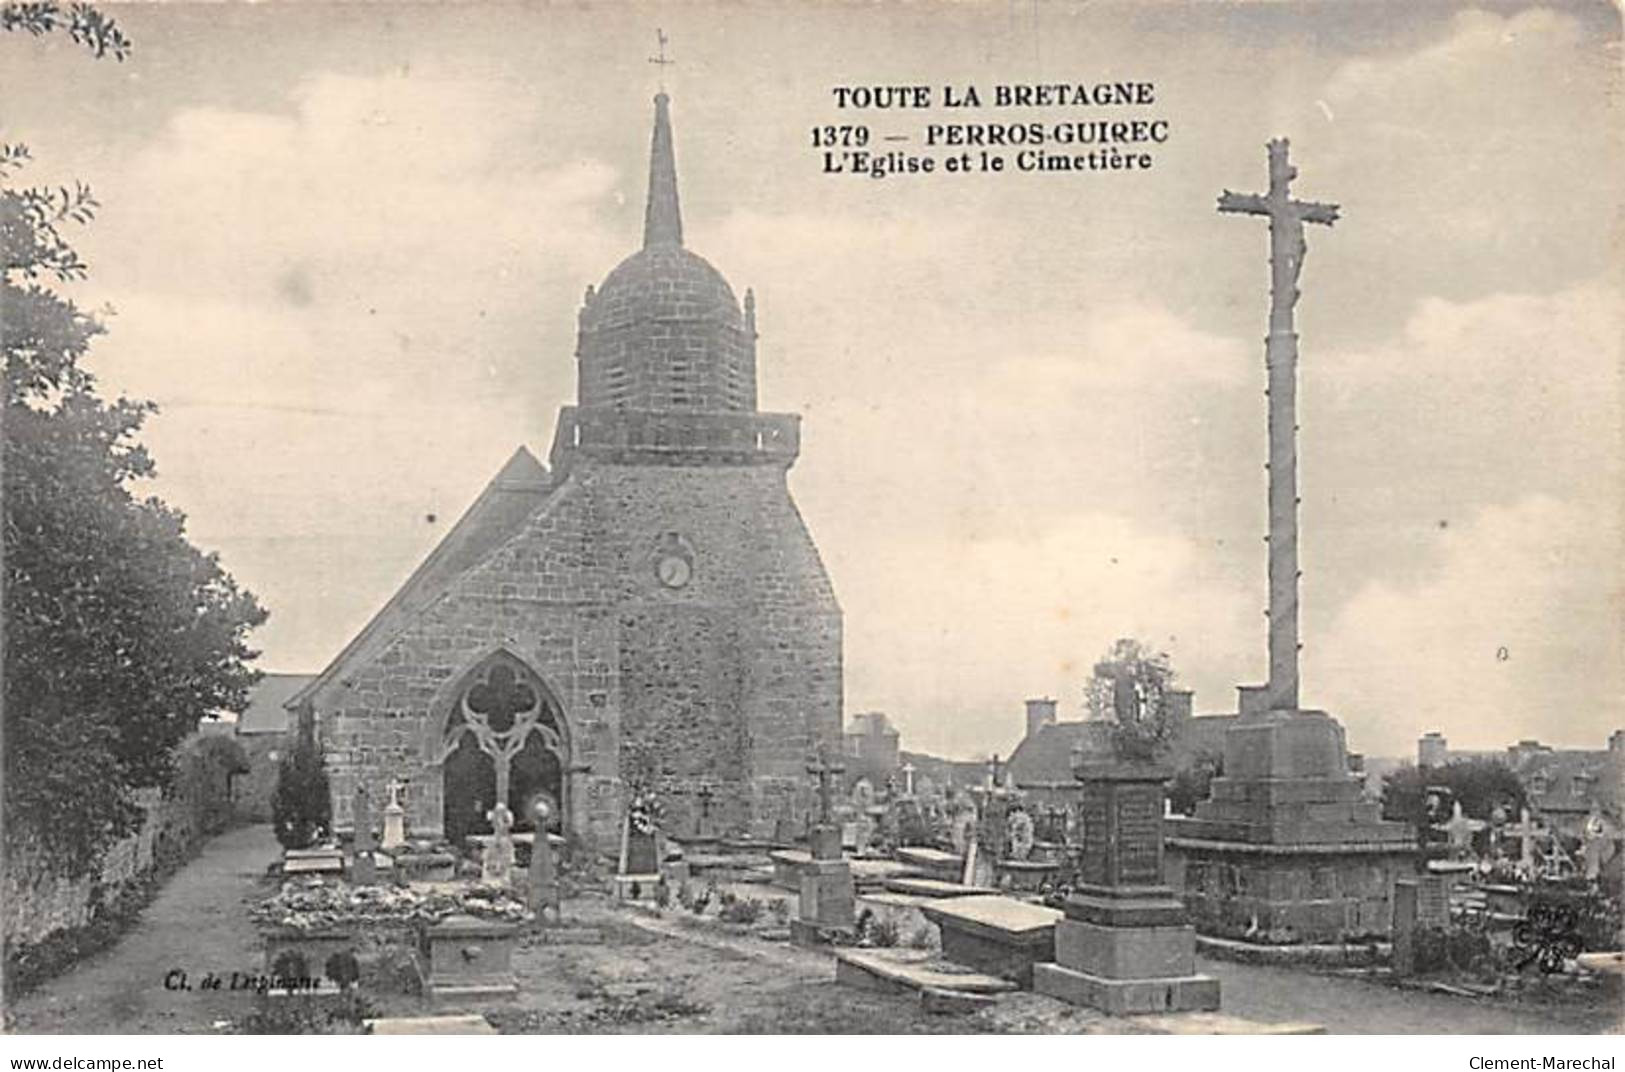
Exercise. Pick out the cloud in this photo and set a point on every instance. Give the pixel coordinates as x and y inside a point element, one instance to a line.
<point>1514,636</point>
<point>1475,403</point>
<point>1482,161</point>
<point>951,633</point>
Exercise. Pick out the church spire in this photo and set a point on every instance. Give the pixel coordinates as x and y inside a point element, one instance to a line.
<point>662,218</point>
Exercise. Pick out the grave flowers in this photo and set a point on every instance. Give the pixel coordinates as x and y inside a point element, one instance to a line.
<point>315,904</point>
<point>645,813</point>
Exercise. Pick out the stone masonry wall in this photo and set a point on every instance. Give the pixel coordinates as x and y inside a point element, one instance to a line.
<point>731,676</point>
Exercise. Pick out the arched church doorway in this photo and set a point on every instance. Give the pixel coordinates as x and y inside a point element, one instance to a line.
<point>505,739</point>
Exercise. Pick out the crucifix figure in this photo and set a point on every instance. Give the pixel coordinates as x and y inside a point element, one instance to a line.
<point>825,771</point>
<point>1287,251</point>
<point>994,767</point>
<point>661,61</point>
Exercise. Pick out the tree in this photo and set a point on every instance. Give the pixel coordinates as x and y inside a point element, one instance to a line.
<point>1480,786</point>
<point>302,803</point>
<point>119,634</point>
<point>82,22</point>
<point>1129,688</point>
<point>1193,781</point>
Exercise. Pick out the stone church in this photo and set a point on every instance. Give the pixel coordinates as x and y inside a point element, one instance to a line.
<point>649,600</point>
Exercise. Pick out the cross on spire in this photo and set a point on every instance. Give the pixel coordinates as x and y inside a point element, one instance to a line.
<point>1287,252</point>
<point>662,215</point>
<point>661,61</point>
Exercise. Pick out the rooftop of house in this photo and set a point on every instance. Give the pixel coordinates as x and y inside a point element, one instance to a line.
<point>265,712</point>
<point>870,723</point>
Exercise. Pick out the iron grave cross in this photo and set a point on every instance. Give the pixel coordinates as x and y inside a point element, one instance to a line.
<point>825,772</point>
<point>1287,250</point>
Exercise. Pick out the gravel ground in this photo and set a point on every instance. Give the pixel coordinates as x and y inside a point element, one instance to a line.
<point>615,969</point>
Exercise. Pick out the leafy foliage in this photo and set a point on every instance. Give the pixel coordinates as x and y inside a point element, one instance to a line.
<point>82,22</point>
<point>120,635</point>
<point>1480,785</point>
<point>1129,688</point>
<point>302,803</point>
<point>1193,781</point>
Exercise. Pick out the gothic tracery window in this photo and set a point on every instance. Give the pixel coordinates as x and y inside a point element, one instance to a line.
<point>503,741</point>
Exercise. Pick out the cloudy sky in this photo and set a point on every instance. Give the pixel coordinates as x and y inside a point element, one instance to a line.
<point>345,246</point>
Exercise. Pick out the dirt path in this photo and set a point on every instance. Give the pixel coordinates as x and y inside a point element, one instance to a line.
<point>197,923</point>
<point>1353,1006</point>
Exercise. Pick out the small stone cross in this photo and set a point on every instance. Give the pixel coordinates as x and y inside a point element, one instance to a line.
<point>1525,831</point>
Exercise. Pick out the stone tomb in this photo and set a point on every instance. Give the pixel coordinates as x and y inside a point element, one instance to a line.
<point>471,958</point>
<point>1124,946</point>
<point>322,861</point>
<point>934,887</point>
<point>994,934</point>
<point>933,863</point>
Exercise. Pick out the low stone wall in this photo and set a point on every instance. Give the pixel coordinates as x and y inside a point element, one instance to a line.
<point>38,901</point>
<point>39,905</point>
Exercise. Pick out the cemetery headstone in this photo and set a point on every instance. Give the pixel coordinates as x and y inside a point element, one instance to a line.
<point>1404,926</point>
<point>496,864</point>
<point>394,819</point>
<point>704,824</point>
<point>1525,831</point>
<point>544,872</point>
<point>363,867</point>
<point>1595,844</point>
<point>1125,944</point>
<point>1460,830</point>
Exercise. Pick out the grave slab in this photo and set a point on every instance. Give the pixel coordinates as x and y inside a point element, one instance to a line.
<point>900,970</point>
<point>431,1025</point>
<point>934,887</point>
<point>312,862</point>
<point>934,863</point>
<point>998,935</point>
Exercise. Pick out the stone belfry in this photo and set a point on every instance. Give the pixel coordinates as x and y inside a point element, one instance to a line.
<point>1287,848</point>
<point>646,611</point>
<point>664,332</point>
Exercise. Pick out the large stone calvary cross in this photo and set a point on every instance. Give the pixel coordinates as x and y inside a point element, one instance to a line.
<point>1287,250</point>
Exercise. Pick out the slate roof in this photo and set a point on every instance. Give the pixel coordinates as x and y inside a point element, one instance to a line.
<point>508,501</point>
<point>1045,757</point>
<point>1572,779</point>
<point>265,713</point>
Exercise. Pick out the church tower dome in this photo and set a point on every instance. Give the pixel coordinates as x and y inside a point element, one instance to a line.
<point>665,332</point>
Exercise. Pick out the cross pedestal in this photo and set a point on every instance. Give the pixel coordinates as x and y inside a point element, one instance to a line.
<point>828,897</point>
